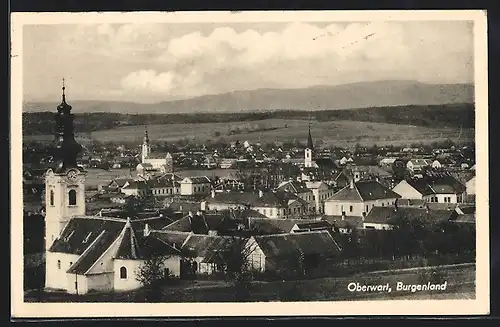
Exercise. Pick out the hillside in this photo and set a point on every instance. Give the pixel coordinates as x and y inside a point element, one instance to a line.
<point>438,116</point>
<point>348,96</point>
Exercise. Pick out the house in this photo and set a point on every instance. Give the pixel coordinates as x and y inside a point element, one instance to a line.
<point>136,188</point>
<point>320,192</point>
<point>280,204</point>
<point>358,198</point>
<point>470,186</point>
<point>118,183</point>
<point>227,200</point>
<point>102,254</point>
<point>195,185</point>
<point>381,218</point>
<point>416,166</point>
<point>438,189</point>
<point>300,189</point>
<point>161,187</point>
<point>367,172</point>
<point>280,252</point>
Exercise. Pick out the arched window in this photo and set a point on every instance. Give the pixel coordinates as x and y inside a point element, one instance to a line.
<point>51,197</point>
<point>123,273</point>
<point>72,197</point>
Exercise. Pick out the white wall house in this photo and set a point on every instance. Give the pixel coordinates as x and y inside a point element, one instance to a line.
<point>471,186</point>
<point>198,185</point>
<point>441,189</point>
<point>359,198</point>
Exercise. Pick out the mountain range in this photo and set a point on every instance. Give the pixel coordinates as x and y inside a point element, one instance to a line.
<point>346,96</point>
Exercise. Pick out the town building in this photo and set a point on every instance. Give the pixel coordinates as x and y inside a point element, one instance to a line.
<point>151,165</point>
<point>434,189</point>
<point>359,198</point>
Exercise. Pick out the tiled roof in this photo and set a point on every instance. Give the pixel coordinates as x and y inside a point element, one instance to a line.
<point>384,215</point>
<point>320,224</point>
<point>347,222</point>
<point>277,199</point>
<point>173,238</point>
<point>364,191</point>
<point>293,186</point>
<point>202,245</point>
<point>284,245</point>
<point>201,224</point>
<point>80,232</point>
<point>437,185</point>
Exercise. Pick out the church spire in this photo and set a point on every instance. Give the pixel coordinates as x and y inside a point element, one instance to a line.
<point>66,147</point>
<point>309,139</point>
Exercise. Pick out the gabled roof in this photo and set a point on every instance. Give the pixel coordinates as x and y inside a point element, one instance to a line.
<point>293,186</point>
<point>81,231</point>
<point>284,245</point>
<point>364,191</point>
<point>203,245</point>
<point>202,224</point>
<point>436,185</point>
<point>136,185</point>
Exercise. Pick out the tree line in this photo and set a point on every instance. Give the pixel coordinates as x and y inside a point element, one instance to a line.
<point>448,115</point>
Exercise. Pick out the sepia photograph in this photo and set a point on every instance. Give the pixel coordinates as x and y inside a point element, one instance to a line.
<point>249,163</point>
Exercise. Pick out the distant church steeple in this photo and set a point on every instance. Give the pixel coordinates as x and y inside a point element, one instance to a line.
<point>309,150</point>
<point>66,149</point>
<point>146,147</point>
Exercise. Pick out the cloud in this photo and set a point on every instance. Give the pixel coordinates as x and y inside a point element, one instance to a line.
<point>188,60</point>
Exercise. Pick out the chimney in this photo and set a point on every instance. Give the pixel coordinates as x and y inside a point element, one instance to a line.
<point>146,230</point>
<point>180,208</point>
<point>261,193</point>
<point>213,193</point>
<point>198,213</point>
<point>356,176</point>
<point>351,183</point>
<point>190,214</point>
<point>364,215</point>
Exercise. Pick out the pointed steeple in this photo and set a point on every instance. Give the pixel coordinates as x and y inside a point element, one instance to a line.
<point>66,149</point>
<point>146,136</point>
<point>310,144</point>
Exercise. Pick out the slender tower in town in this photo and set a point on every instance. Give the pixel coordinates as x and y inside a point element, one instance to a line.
<point>64,183</point>
<point>146,147</point>
<point>308,161</point>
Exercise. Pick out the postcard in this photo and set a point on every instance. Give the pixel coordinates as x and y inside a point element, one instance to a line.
<point>264,163</point>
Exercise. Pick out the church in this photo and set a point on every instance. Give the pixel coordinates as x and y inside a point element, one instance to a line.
<point>90,253</point>
<point>151,165</point>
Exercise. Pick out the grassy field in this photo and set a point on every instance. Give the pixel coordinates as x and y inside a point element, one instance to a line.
<point>460,285</point>
<point>341,133</point>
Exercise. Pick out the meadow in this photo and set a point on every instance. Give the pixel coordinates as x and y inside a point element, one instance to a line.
<point>330,133</point>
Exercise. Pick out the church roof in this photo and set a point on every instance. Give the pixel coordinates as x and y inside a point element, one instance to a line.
<point>310,144</point>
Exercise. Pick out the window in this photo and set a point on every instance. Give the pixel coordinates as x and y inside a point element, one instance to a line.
<point>123,273</point>
<point>58,264</point>
<point>382,204</point>
<point>72,197</point>
<point>70,263</point>
<point>367,208</point>
<point>51,197</point>
<point>350,208</point>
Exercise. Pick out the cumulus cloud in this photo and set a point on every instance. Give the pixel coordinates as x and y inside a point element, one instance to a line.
<point>180,60</point>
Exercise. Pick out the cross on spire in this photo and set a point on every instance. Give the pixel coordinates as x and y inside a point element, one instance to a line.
<point>63,89</point>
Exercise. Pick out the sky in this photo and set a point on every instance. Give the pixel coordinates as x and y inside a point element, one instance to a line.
<point>167,61</point>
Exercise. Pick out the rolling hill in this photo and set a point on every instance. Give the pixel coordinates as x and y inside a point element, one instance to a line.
<point>348,96</point>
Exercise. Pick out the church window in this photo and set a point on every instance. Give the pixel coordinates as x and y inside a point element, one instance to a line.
<point>72,197</point>
<point>51,196</point>
<point>58,264</point>
<point>123,273</point>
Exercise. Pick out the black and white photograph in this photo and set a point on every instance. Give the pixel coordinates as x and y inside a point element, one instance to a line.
<point>249,163</point>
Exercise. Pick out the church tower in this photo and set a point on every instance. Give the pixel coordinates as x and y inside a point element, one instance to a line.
<point>65,183</point>
<point>146,147</point>
<point>309,151</point>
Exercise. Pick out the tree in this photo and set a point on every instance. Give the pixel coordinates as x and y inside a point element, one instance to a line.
<point>235,257</point>
<point>151,274</point>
